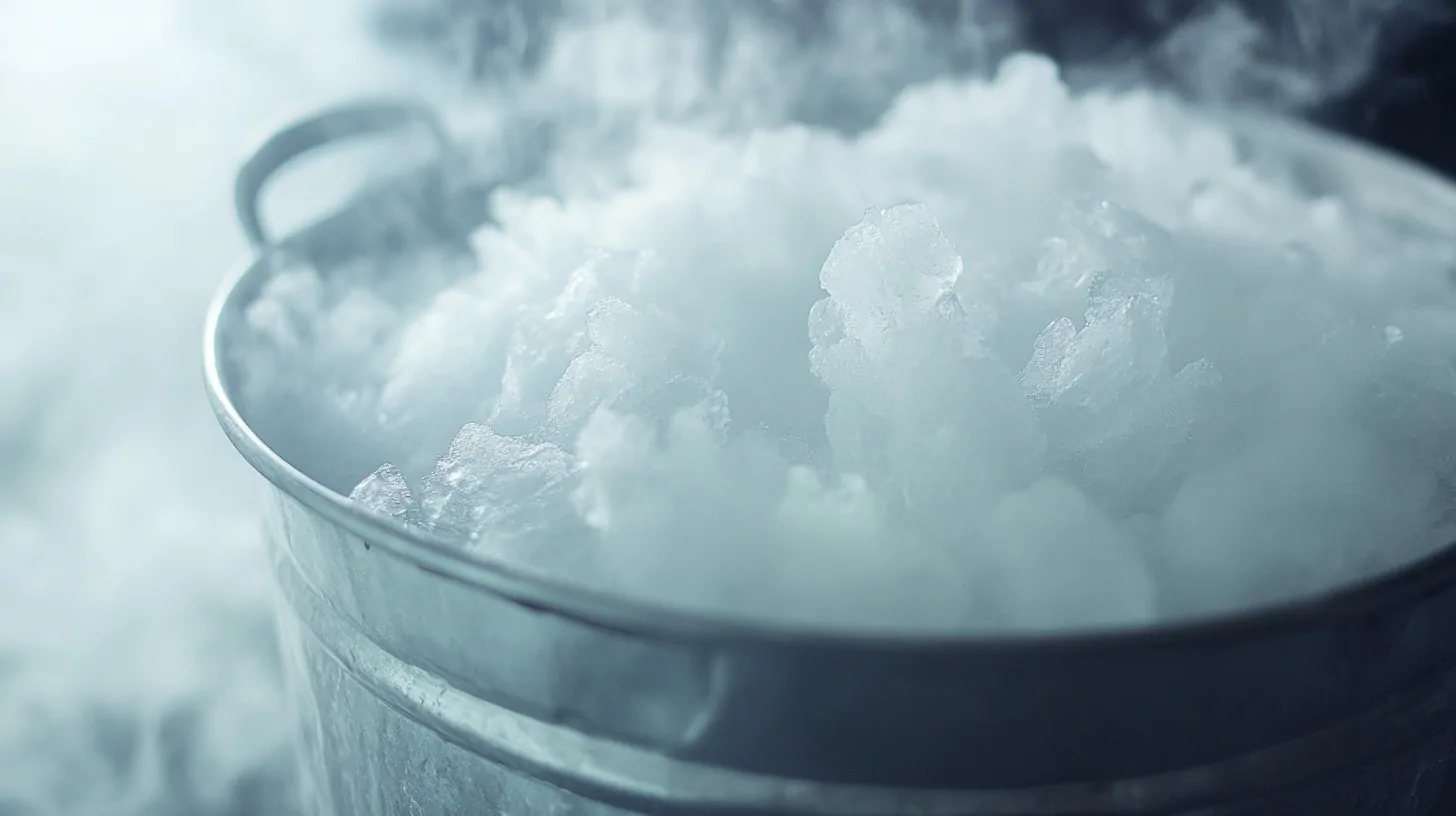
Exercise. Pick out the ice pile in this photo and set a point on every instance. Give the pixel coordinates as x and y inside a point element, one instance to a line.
<point>1067,360</point>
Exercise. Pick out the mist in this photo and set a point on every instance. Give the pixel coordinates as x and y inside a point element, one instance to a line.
<point>137,669</point>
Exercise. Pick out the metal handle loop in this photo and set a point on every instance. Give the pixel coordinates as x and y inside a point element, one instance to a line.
<point>351,120</point>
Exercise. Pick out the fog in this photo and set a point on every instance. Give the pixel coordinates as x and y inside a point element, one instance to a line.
<point>136,667</point>
<point>137,672</point>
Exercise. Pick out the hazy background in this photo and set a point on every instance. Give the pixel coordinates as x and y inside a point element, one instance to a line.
<point>136,667</point>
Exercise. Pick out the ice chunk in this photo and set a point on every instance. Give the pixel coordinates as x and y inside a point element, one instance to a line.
<point>449,360</point>
<point>546,340</point>
<point>1118,354</point>
<point>1106,396</point>
<point>890,269</point>
<point>386,492</point>
<point>592,380</point>
<point>917,404</point>
<point>1094,241</point>
<point>636,358</point>
<point>491,485</point>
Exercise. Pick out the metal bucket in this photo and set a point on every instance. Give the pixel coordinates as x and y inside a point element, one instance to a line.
<point>429,682</point>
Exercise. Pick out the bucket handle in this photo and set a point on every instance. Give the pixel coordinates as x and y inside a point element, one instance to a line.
<point>347,121</point>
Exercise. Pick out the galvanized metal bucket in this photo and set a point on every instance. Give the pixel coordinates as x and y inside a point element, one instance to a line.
<point>429,682</point>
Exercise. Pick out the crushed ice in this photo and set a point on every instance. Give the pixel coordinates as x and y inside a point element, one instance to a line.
<point>1100,371</point>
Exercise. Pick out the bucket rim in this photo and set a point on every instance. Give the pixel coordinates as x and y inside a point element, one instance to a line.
<point>621,611</point>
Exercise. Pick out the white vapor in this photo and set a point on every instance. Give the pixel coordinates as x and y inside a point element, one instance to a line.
<point>137,671</point>
<point>1313,50</point>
